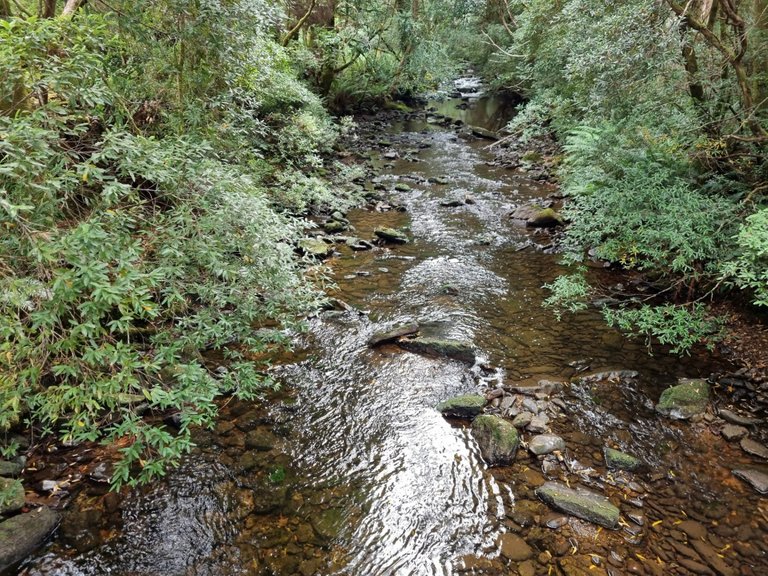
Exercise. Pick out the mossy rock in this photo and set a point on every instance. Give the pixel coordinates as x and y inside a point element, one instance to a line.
<point>689,398</point>
<point>391,235</point>
<point>545,218</point>
<point>497,438</point>
<point>397,106</point>
<point>332,226</point>
<point>580,503</point>
<point>10,468</point>
<point>12,496</point>
<point>24,533</point>
<point>532,157</point>
<point>466,406</point>
<point>315,247</point>
<point>401,187</point>
<point>618,460</point>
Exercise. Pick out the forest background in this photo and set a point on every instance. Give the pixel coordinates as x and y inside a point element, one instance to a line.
<point>159,159</point>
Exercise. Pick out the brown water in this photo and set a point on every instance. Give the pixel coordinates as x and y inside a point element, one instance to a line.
<point>351,470</point>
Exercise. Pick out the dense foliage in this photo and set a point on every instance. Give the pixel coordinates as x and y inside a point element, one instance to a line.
<point>155,162</point>
<point>663,111</point>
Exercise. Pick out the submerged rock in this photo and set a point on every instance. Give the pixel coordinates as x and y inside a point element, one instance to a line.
<point>687,399</point>
<point>498,439</point>
<point>391,235</point>
<point>758,480</point>
<point>455,349</point>
<point>514,548</point>
<point>467,406</point>
<point>545,444</point>
<point>23,534</point>
<point>618,460</point>
<point>393,334</point>
<point>580,503</point>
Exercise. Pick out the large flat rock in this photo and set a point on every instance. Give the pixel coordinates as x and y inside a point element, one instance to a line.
<point>758,480</point>
<point>580,503</point>
<point>23,534</point>
<point>456,349</point>
<point>392,334</point>
<point>466,406</point>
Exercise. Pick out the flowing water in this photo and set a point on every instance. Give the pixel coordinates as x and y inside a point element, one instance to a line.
<point>351,470</point>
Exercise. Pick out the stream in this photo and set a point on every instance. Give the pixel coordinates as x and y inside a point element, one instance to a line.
<point>350,469</point>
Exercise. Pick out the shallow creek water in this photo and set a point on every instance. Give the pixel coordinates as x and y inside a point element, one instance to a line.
<point>351,470</point>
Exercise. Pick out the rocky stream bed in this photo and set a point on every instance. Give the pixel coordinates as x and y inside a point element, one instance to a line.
<point>436,420</point>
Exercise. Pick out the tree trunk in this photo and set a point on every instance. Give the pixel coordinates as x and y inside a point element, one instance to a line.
<point>49,9</point>
<point>70,8</point>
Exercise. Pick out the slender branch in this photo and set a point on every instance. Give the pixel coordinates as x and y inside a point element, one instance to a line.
<point>21,8</point>
<point>295,30</point>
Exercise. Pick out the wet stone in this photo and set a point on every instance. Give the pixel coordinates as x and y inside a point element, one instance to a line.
<point>555,521</point>
<point>514,548</point>
<point>695,567</point>
<point>579,566</point>
<point>260,439</point>
<point>545,444</point>
<point>733,432</point>
<point>580,503</point>
<point>733,418</point>
<point>758,480</point>
<point>538,424</point>
<point>526,568</point>
<point>393,334</point>
<point>546,387</point>
<point>522,420</point>
<point>711,557</point>
<point>692,529</point>
<point>754,448</point>
<point>467,406</point>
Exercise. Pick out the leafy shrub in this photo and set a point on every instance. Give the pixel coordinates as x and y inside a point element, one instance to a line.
<point>679,327</point>
<point>749,269</point>
<point>632,203</point>
<point>131,242</point>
